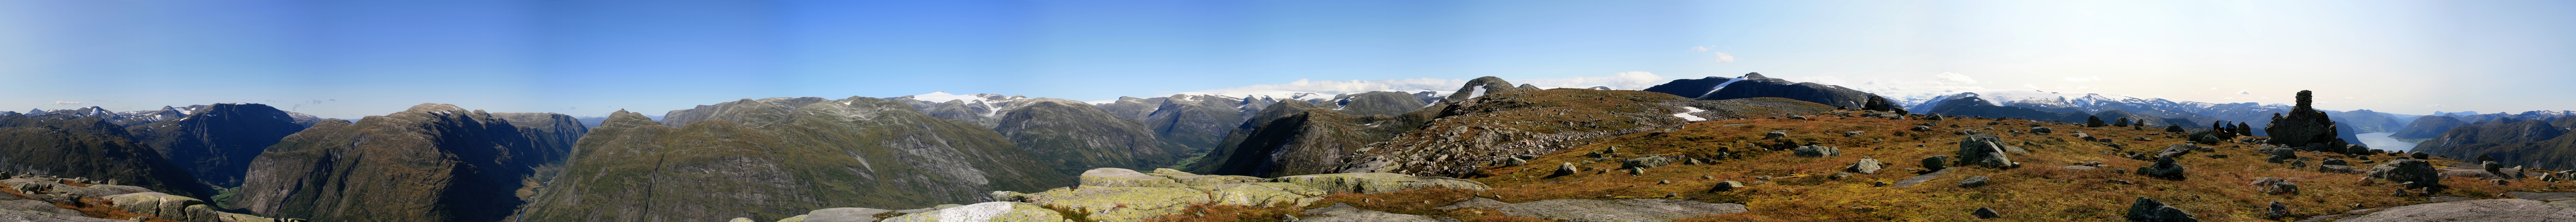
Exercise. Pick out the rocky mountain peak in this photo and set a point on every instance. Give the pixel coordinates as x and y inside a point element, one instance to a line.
<point>434,107</point>
<point>1481,86</point>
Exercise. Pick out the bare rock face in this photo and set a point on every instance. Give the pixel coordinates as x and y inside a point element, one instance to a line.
<point>433,162</point>
<point>2304,125</point>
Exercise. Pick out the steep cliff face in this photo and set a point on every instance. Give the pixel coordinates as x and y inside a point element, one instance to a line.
<point>433,162</point>
<point>217,142</point>
<point>1197,121</point>
<point>88,147</point>
<point>2545,143</point>
<point>2428,127</point>
<point>1074,136</point>
<point>849,152</point>
<point>1298,138</point>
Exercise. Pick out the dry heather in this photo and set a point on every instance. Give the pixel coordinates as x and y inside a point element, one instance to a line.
<point>1802,188</point>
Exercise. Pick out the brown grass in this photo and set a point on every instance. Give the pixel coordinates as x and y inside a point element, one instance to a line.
<point>1800,190</point>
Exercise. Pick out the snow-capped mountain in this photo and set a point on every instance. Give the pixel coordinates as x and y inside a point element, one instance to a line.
<point>141,117</point>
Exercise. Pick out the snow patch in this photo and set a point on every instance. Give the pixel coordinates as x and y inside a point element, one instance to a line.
<point>943,96</point>
<point>1480,91</point>
<point>1687,114</point>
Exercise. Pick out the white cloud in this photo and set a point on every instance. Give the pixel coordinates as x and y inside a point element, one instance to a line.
<point>1699,48</point>
<point>1632,80</point>
<point>2246,92</point>
<point>65,102</point>
<point>2213,88</point>
<point>1722,57</point>
<point>1623,80</point>
<point>2083,79</point>
<point>1952,77</point>
<point>2027,85</point>
<point>2437,105</point>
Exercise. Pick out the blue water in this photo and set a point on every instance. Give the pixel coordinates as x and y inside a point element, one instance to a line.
<point>2380,141</point>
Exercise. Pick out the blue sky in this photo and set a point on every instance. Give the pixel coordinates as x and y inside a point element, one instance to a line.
<point>355,58</point>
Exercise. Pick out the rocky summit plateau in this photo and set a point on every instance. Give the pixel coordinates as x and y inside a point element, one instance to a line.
<point>1749,148</point>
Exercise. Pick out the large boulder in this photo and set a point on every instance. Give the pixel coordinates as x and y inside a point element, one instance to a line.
<point>2472,210</point>
<point>1604,210</point>
<point>2304,125</point>
<point>1936,162</point>
<point>1115,177</point>
<point>2408,170</point>
<point>1866,166</point>
<point>2164,168</point>
<point>1340,183</point>
<point>987,211</point>
<point>1983,150</point>
<point>2149,210</point>
<point>165,206</point>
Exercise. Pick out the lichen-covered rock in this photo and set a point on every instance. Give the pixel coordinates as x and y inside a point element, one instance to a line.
<point>1261,194</point>
<point>1563,169</point>
<point>1865,166</point>
<point>1115,177</point>
<point>2164,168</point>
<point>1936,162</point>
<point>2420,172</point>
<point>1120,203</point>
<point>1983,150</point>
<point>987,211</point>
<point>165,206</point>
<point>2149,210</point>
<point>1974,182</point>
<point>2271,185</point>
<point>1817,151</point>
<point>1376,182</point>
<point>844,214</point>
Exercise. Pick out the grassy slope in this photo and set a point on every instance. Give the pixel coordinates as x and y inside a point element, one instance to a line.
<point>1801,190</point>
<point>2217,188</point>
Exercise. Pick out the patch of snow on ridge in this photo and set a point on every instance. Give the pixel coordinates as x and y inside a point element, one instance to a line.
<point>1687,115</point>
<point>943,96</point>
<point>1723,85</point>
<point>1480,91</point>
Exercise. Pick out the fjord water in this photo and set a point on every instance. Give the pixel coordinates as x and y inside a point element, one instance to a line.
<point>2381,141</point>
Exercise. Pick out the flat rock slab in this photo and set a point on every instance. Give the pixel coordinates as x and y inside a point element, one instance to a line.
<point>2550,196</point>
<point>2472,210</point>
<point>2448,198</point>
<point>1910,181</point>
<point>1592,210</point>
<point>1340,212</point>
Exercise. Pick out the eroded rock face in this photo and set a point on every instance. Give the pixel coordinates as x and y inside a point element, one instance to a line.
<point>1345,213</point>
<point>2304,125</point>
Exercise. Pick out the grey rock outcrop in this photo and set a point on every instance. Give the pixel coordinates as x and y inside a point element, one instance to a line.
<point>2419,172</point>
<point>2149,210</point>
<point>2164,168</point>
<point>1865,166</point>
<point>1983,150</point>
<point>1817,151</point>
<point>1340,212</point>
<point>2304,125</point>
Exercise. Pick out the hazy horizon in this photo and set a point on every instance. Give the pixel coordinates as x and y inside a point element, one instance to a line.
<point>587,58</point>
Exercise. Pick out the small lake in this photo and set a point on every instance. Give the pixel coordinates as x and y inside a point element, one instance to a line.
<point>2380,141</point>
